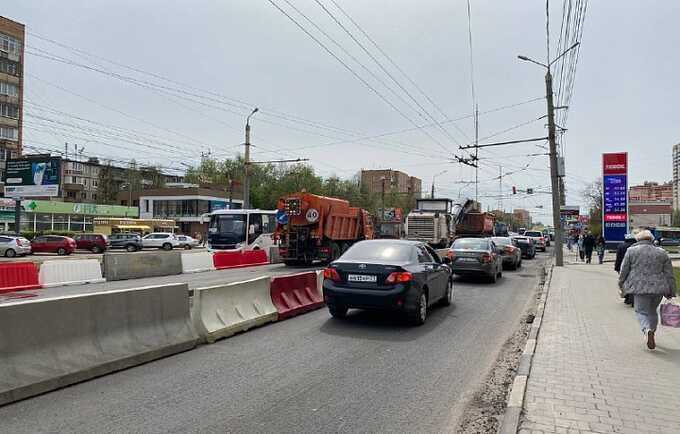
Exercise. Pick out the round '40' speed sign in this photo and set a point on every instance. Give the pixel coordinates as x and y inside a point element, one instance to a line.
<point>312,215</point>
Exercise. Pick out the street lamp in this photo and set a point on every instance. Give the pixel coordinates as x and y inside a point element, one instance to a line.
<point>554,176</point>
<point>433,178</point>
<point>246,163</point>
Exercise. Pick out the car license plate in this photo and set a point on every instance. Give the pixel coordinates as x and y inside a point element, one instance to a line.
<point>361,278</point>
<point>467,259</point>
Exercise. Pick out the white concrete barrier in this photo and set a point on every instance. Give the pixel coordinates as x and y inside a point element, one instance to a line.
<point>319,281</point>
<point>70,272</point>
<point>274,256</point>
<point>50,343</point>
<point>197,262</point>
<point>223,310</point>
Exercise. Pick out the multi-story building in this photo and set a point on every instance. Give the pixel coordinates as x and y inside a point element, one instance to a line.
<point>650,213</point>
<point>676,176</point>
<point>11,90</point>
<point>393,181</point>
<point>522,217</point>
<point>651,191</point>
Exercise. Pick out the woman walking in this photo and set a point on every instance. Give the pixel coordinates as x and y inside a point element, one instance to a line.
<point>579,245</point>
<point>600,247</point>
<point>647,274</point>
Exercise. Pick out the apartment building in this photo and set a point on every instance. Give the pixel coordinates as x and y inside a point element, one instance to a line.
<point>651,191</point>
<point>394,181</point>
<point>11,90</point>
<point>522,217</point>
<point>676,176</point>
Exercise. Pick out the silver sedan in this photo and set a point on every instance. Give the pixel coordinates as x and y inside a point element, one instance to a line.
<point>11,246</point>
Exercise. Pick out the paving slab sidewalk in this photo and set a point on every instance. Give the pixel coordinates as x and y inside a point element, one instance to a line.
<point>592,371</point>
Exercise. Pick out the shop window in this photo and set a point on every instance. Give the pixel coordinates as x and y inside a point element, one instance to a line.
<point>60,222</point>
<point>43,222</point>
<point>76,223</point>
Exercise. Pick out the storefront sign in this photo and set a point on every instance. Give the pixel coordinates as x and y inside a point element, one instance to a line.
<point>615,196</point>
<point>55,207</point>
<point>29,177</point>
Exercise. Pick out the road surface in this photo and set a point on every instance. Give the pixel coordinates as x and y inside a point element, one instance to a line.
<point>368,373</point>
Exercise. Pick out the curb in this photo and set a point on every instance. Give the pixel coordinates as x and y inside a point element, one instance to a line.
<point>511,418</point>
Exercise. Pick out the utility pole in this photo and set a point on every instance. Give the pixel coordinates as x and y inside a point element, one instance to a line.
<point>500,188</point>
<point>246,163</point>
<point>382,200</point>
<point>554,180</point>
<point>476,155</point>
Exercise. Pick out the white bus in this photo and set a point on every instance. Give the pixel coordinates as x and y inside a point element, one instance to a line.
<point>241,229</point>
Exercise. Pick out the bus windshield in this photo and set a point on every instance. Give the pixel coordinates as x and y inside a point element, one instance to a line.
<point>228,228</point>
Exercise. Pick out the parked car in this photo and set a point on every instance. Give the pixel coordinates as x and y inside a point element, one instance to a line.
<point>477,257</point>
<point>187,242</point>
<point>53,244</point>
<point>11,246</point>
<point>538,238</point>
<point>527,247</point>
<point>96,243</point>
<point>127,241</point>
<point>511,254</point>
<point>161,240</point>
<point>399,275</point>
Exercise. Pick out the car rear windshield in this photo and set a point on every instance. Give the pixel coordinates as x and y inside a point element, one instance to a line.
<point>379,251</point>
<point>533,234</point>
<point>502,241</point>
<point>470,244</point>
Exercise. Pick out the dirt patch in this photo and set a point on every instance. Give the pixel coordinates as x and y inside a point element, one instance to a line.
<point>485,412</point>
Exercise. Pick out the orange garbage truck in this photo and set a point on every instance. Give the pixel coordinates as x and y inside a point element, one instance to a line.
<point>318,228</point>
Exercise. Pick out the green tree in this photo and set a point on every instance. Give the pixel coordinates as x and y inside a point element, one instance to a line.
<point>107,187</point>
<point>593,196</point>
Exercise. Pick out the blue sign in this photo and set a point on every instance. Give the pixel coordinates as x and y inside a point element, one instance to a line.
<point>218,204</point>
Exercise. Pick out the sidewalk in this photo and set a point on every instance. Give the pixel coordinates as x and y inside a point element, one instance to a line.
<point>592,371</point>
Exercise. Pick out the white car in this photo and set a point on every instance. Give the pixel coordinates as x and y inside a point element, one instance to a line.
<point>539,239</point>
<point>187,242</point>
<point>161,240</point>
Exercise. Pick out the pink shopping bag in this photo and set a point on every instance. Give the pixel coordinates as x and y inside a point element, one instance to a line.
<point>670,315</point>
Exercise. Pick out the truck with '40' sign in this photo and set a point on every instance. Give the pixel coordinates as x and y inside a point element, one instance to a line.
<point>318,228</point>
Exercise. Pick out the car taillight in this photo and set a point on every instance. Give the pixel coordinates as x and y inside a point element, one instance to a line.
<point>18,242</point>
<point>451,254</point>
<point>399,277</point>
<point>542,239</point>
<point>510,249</point>
<point>486,258</point>
<point>332,274</point>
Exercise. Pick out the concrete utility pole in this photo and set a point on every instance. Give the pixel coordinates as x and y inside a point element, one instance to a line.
<point>554,178</point>
<point>246,163</point>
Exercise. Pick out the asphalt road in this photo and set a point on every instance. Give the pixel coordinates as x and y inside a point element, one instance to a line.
<point>368,373</point>
<point>195,280</point>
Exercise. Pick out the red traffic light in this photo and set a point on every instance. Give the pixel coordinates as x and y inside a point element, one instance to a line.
<point>514,190</point>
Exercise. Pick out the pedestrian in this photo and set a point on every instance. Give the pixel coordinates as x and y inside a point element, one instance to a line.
<point>581,252</point>
<point>570,242</point>
<point>589,245</point>
<point>647,274</point>
<point>600,247</point>
<point>621,250</point>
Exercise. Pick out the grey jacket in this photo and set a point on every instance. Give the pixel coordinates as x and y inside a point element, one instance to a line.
<point>647,269</point>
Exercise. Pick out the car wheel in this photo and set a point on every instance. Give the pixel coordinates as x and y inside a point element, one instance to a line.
<point>167,246</point>
<point>96,249</point>
<point>10,253</point>
<point>187,247</point>
<point>337,311</point>
<point>493,278</point>
<point>519,263</point>
<point>447,300</point>
<point>131,248</point>
<point>61,251</point>
<point>500,273</point>
<point>418,315</point>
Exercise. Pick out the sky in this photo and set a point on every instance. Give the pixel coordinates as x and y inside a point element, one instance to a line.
<point>164,81</point>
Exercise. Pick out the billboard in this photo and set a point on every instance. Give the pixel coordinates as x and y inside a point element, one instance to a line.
<point>615,196</point>
<point>32,177</point>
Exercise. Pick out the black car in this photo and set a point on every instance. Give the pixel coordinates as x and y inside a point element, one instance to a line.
<point>526,244</point>
<point>399,275</point>
<point>476,257</point>
<point>129,242</point>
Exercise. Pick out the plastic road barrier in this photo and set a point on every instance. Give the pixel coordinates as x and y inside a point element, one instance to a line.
<point>223,310</point>
<point>197,262</point>
<point>17,276</point>
<point>51,343</point>
<point>238,258</point>
<point>295,294</point>
<point>70,272</point>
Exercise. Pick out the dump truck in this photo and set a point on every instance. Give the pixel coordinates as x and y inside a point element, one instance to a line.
<point>477,224</point>
<point>318,228</point>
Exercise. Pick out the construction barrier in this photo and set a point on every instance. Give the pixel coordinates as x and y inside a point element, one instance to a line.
<point>122,266</point>
<point>295,294</point>
<point>223,310</point>
<point>239,258</point>
<point>17,276</point>
<point>197,262</point>
<point>274,255</point>
<point>319,281</point>
<point>51,343</point>
<point>70,272</point>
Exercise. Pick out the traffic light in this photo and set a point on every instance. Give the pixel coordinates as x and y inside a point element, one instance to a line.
<point>530,191</point>
<point>514,190</point>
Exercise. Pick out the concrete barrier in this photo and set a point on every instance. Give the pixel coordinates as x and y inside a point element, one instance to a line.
<point>122,266</point>
<point>274,255</point>
<point>51,343</point>
<point>319,282</point>
<point>18,276</point>
<point>295,294</point>
<point>223,310</point>
<point>70,272</point>
<point>197,262</point>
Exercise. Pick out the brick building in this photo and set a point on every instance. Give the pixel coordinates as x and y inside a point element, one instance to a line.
<point>650,213</point>
<point>522,217</point>
<point>395,181</point>
<point>11,90</point>
<point>651,191</point>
